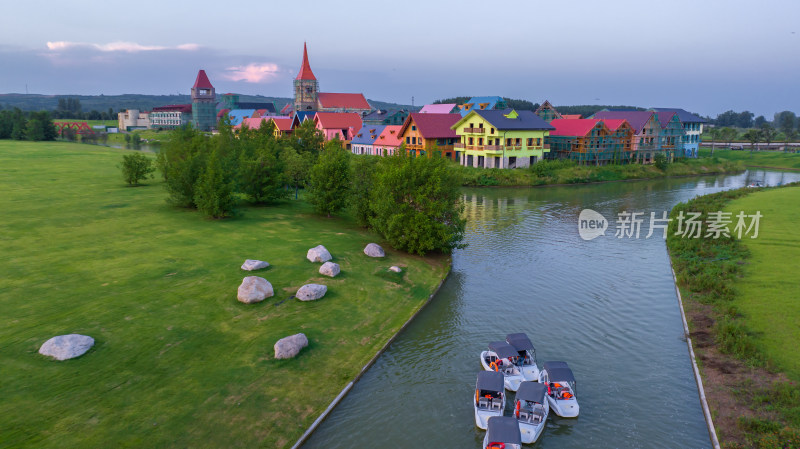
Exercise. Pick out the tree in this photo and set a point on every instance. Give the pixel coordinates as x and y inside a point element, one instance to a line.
<point>306,138</point>
<point>329,179</point>
<point>363,178</point>
<point>786,122</point>
<point>296,167</point>
<point>40,127</point>
<point>768,133</point>
<point>417,205</point>
<point>6,124</point>
<point>214,191</point>
<point>760,121</point>
<point>261,174</point>
<point>136,167</point>
<point>660,161</point>
<point>69,134</point>
<point>753,136</point>
<point>181,161</point>
<point>715,134</point>
<point>729,135</point>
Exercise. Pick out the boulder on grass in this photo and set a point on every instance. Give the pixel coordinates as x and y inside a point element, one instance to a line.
<point>254,289</point>
<point>396,269</point>
<point>251,265</point>
<point>311,292</point>
<point>64,347</point>
<point>374,250</point>
<point>290,346</point>
<point>318,254</point>
<point>330,269</point>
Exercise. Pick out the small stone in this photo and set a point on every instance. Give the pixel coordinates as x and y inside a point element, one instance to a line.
<point>330,269</point>
<point>251,265</point>
<point>254,289</point>
<point>64,347</point>
<point>396,269</point>
<point>311,292</point>
<point>318,254</point>
<point>374,250</point>
<point>290,346</point>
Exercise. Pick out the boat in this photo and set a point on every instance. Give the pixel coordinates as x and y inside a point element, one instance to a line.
<point>561,388</point>
<point>502,357</point>
<point>527,355</point>
<point>755,184</point>
<point>531,409</point>
<point>503,433</point>
<point>490,397</point>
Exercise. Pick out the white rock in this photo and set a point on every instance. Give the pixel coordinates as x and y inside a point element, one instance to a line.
<point>254,289</point>
<point>318,254</point>
<point>311,292</point>
<point>374,250</point>
<point>251,265</point>
<point>65,347</point>
<point>330,269</point>
<point>290,346</point>
<point>396,269</point>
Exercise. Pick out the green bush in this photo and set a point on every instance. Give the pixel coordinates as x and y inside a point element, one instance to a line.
<point>329,185</point>
<point>660,161</point>
<point>213,194</point>
<point>363,170</point>
<point>136,167</point>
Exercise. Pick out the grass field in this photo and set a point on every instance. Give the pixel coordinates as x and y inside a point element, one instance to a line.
<point>773,159</point>
<point>178,361</point>
<point>768,291</point>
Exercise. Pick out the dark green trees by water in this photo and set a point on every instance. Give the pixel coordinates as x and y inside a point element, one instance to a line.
<point>19,125</point>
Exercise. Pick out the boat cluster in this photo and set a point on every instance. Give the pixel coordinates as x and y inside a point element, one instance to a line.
<point>511,365</point>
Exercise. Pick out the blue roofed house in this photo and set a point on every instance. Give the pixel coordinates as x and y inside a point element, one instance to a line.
<point>300,116</point>
<point>483,104</point>
<point>364,139</point>
<point>692,129</point>
<point>385,117</point>
<point>237,115</point>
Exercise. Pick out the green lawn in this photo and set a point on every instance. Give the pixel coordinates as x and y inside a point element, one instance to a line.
<point>178,361</point>
<point>768,291</point>
<point>774,159</point>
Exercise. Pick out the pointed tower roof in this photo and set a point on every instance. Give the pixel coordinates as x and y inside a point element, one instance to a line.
<point>202,81</point>
<point>305,69</point>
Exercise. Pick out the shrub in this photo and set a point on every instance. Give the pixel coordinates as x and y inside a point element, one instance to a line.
<point>136,167</point>
<point>214,192</point>
<point>363,177</point>
<point>660,161</point>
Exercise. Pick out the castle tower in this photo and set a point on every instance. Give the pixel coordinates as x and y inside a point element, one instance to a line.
<point>204,103</point>
<point>306,87</point>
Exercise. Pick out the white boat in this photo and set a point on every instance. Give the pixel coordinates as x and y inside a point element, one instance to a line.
<point>503,433</point>
<point>527,355</point>
<point>755,184</point>
<point>531,409</point>
<point>490,397</point>
<point>502,357</point>
<point>561,388</point>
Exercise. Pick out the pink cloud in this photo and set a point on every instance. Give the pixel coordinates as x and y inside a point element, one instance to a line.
<point>252,73</point>
<point>129,47</point>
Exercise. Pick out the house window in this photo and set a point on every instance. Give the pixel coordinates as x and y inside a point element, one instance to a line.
<point>508,142</point>
<point>491,130</point>
<point>413,127</point>
<point>518,142</point>
<point>471,140</point>
<point>413,140</point>
<point>530,142</point>
<point>480,141</point>
<point>408,139</point>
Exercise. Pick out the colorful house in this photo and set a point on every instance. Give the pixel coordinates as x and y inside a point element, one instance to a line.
<point>501,138</point>
<point>283,125</point>
<point>430,134</point>
<point>338,125</point>
<point>483,104</point>
<point>441,108</point>
<point>547,112</point>
<point>385,117</point>
<point>364,139</point>
<point>671,134</point>
<point>591,141</point>
<point>692,129</point>
<point>647,135</point>
<point>388,141</point>
<point>300,116</point>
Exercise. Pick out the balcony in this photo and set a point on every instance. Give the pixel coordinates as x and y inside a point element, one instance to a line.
<point>493,148</point>
<point>458,145</point>
<point>513,147</point>
<point>474,130</point>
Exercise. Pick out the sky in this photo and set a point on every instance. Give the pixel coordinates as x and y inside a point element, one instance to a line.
<point>706,56</point>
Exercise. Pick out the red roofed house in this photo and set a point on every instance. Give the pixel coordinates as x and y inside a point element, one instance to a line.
<point>307,96</point>
<point>341,125</point>
<point>330,102</point>
<point>283,125</point>
<point>646,132</point>
<point>388,141</point>
<point>428,133</point>
<point>591,141</point>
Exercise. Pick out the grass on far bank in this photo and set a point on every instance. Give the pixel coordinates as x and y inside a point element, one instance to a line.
<point>740,301</point>
<point>764,158</point>
<point>178,361</point>
<point>566,172</point>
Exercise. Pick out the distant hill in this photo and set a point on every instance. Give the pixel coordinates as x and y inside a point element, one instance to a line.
<point>102,103</point>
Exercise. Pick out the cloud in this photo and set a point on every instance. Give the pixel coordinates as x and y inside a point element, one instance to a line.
<point>129,47</point>
<point>252,73</point>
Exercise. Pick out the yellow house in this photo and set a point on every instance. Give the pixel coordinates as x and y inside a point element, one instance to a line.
<point>501,138</point>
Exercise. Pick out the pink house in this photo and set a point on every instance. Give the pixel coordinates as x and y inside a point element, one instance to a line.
<point>341,125</point>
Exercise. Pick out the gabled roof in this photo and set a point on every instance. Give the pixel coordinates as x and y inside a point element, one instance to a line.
<point>222,112</point>
<point>237,115</point>
<point>338,120</point>
<point>389,137</point>
<point>571,116</point>
<point>684,115</point>
<point>637,119</point>
<point>282,123</point>
<point>368,134</point>
<point>664,117</point>
<point>250,123</point>
<point>343,101</point>
<point>614,124</point>
<point>286,110</point>
<point>481,103</point>
<point>509,119</point>
<point>573,127</point>
<point>304,115</point>
<point>549,107</point>
<point>305,67</point>
<point>202,81</point>
<point>444,108</point>
<point>432,126</point>
<point>173,108</point>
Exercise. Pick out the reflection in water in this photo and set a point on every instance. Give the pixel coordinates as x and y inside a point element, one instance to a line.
<point>606,306</point>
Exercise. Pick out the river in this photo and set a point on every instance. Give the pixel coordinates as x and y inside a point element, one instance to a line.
<point>607,307</point>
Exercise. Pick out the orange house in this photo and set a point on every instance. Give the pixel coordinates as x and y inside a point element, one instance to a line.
<point>430,134</point>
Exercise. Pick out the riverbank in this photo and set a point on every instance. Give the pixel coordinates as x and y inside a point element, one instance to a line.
<point>178,361</point>
<point>738,296</point>
<point>758,159</point>
<point>563,172</point>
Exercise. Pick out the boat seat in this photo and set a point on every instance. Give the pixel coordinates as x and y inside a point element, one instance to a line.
<point>524,415</point>
<point>483,403</point>
<point>497,404</point>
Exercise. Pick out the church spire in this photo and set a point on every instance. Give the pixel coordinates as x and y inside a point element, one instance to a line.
<point>305,69</point>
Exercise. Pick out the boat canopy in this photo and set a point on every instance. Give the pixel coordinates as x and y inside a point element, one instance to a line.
<point>531,391</point>
<point>520,341</point>
<point>504,429</point>
<point>558,372</point>
<point>503,349</point>
<point>490,381</point>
